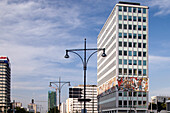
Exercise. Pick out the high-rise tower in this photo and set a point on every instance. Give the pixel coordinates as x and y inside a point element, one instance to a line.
<point>5,83</point>
<point>122,76</point>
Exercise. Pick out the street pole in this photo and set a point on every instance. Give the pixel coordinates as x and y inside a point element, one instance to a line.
<point>59,84</point>
<point>85,62</point>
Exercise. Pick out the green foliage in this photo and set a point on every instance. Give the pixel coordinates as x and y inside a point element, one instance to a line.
<point>161,106</point>
<point>154,106</point>
<point>20,110</point>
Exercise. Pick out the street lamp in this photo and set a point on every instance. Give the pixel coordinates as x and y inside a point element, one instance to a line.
<point>85,62</point>
<point>59,84</point>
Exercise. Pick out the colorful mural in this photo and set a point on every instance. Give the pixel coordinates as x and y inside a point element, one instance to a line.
<point>133,83</point>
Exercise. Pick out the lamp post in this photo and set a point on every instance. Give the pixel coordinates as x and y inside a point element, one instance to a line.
<point>85,62</point>
<point>59,84</point>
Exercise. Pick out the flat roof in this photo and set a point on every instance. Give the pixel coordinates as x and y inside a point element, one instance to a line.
<point>131,3</point>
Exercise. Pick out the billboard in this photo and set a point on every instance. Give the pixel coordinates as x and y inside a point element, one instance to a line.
<point>132,83</point>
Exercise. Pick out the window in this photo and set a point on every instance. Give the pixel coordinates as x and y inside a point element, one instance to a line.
<point>120,52</point>
<point>139,72</point>
<point>130,27</point>
<point>139,36</point>
<point>144,45</point>
<point>125,17</point>
<point>125,35</point>
<point>125,53</point>
<point>144,62</point>
<point>134,36</point>
<point>139,102</point>
<point>125,62</point>
<point>130,35</point>
<point>125,26</point>
<point>130,44</point>
<point>134,71</point>
<point>144,94</point>
<point>130,71</point>
<point>139,19</point>
<point>120,35</point>
<point>139,54</point>
<point>125,9</point>
<point>134,18</point>
<point>144,102</point>
<point>144,54</point>
<point>125,71</point>
<point>125,93</point>
<point>139,45</point>
<point>135,103</point>
<point>144,36</point>
<point>120,8</point>
<point>120,71</point>
<point>134,53</point>
<point>144,19</point>
<point>120,17</point>
<point>144,11</point>
<point>134,94</point>
<point>130,103</point>
<point>120,93</point>
<point>120,61</point>
<point>144,28</point>
<point>120,26</point>
<point>130,9</point>
<point>130,93</point>
<point>139,27</point>
<point>120,44</point>
<point>139,94</point>
<point>130,53</point>
<point>144,72</point>
<point>134,44</point>
<point>130,62</point>
<point>134,62</point>
<point>139,62</point>
<point>125,103</point>
<point>139,10</point>
<point>130,18</point>
<point>120,103</point>
<point>134,27</point>
<point>134,10</point>
<point>125,44</point>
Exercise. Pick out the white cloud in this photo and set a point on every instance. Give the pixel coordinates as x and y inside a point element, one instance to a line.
<point>163,6</point>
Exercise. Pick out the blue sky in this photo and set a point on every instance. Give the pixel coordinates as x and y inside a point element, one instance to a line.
<point>34,34</point>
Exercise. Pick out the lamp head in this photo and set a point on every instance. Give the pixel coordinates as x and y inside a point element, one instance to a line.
<point>50,84</point>
<point>104,54</point>
<point>66,56</point>
<point>69,84</point>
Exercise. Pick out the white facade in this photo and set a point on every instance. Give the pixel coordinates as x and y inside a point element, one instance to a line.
<point>74,106</point>
<point>122,76</point>
<point>63,108</point>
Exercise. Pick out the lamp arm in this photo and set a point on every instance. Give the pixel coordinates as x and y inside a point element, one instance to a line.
<point>91,56</point>
<point>78,55</point>
<point>63,84</point>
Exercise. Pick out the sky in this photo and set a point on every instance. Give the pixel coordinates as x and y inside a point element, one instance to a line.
<point>34,34</point>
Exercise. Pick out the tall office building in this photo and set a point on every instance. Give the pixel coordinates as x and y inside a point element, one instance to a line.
<point>122,76</point>
<point>5,83</point>
<point>74,105</point>
<point>52,100</point>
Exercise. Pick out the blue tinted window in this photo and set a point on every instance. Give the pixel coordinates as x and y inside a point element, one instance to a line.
<point>120,8</point>
<point>125,62</point>
<point>125,35</point>
<point>130,9</point>
<point>134,10</point>
<point>144,19</point>
<point>144,63</point>
<point>139,36</point>
<point>120,17</point>
<point>134,53</point>
<point>120,61</point>
<point>139,72</point>
<point>130,71</point>
<point>144,28</point>
<point>134,36</point>
<point>120,52</point>
<point>120,35</point>
<point>130,35</point>
<point>139,19</point>
<point>134,62</point>
<point>134,18</point>
<point>130,18</point>
<point>144,10</point>
<point>139,62</point>
<point>130,53</point>
<point>144,72</point>
<point>139,10</point>
<point>130,62</point>
<point>139,27</point>
<point>125,17</point>
<point>125,9</point>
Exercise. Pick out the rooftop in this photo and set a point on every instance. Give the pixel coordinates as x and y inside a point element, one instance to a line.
<point>131,3</point>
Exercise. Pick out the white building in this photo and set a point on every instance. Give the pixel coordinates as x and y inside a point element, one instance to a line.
<point>122,76</point>
<point>63,108</point>
<point>5,83</point>
<point>75,93</point>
